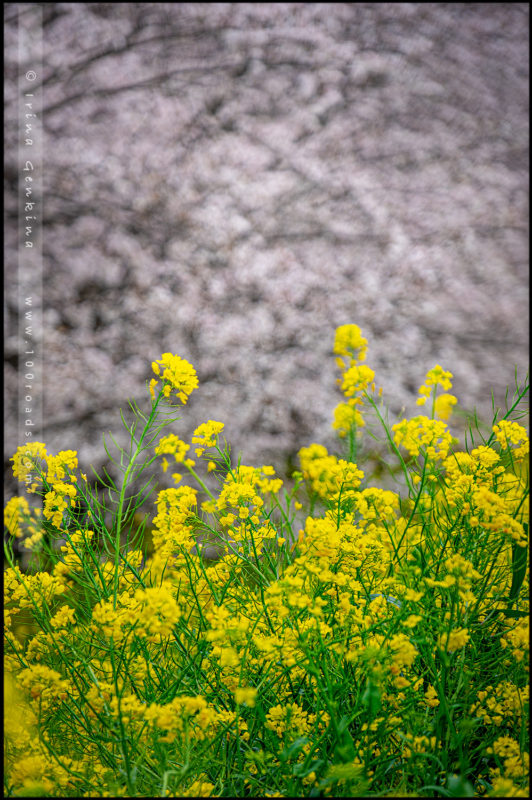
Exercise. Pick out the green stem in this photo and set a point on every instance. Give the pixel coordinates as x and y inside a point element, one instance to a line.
<point>198,479</point>
<point>125,484</point>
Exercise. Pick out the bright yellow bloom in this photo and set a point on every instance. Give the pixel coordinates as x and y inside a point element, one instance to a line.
<point>357,379</point>
<point>172,445</point>
<point>44,683</point>
<point>347,416</point>
<point>64,617</point>
<point>197,788</point>
<point>419,432</point>
<point>503,704</point>
<point>246,694</point>
<point>518,639</point>
<point>206,435</point>
<point>443,407</point>
<point>175,511</point>
<point>25,459</point>
<point>73,552</point>
<point>437,376</point>
<point>16,509</point>
<point>178,374</point>
<point>516,763</point>
<point>55,503</point>
<point>402,651</point>
<point>412,620</point>
<point>510,434</point>
<point>59,465</point>
<point>348,341</point>
<point>327,475</point>
<point>431,697</point>
<point>453,640</point>
<point>288,718</point>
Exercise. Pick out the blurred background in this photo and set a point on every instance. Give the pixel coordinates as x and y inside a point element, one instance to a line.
<point>230,182</point>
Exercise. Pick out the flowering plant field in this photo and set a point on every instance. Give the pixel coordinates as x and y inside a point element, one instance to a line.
<point>346,640</point>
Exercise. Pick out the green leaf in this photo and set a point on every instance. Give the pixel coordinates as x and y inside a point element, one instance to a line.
<point>519,564</point>
<point>458,786</point>
<point>371,698</point>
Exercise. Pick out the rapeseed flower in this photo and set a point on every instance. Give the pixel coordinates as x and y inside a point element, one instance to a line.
<point>348,341</point>
<point>177,375</point>
<point>512,435</point>
<point>443,406</point>
<point>346,417</point>
<point>422,432</point>
<point>453,640</point>
<point>357,379</point>
<point>173,445</point>
<point>16,510</point>
<point>206,435</point>
<point>247,695</point>
<point>162,656</point>
<point>25,462</point>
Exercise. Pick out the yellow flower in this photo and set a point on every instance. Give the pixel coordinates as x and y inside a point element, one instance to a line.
<point>421,431</point>
<point>247,695</point>
<point>357,379</point>
<point>173,445</point>
<point>431,697</point>
<point>348,341</point>
<point>24,461</point>
<point>178,374</point>
<point>346,416</point>
<point>64,617</point>
<point>55,503</point>
<point>437,376</point>
<point>508,434</point>
<point>453,640</point>
<point>412,620</point>
<point>16,509</point>
<point>59,464</point>
<point>443,406</point>
<point>206,435</point>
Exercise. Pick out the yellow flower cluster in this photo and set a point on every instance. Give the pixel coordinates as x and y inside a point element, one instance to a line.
<point>348,341</point>
<point>59,465</point>
<point>176,510</point>
<point>206,435</point>
<point>146,613</point>
<point>443,403</point>
<point>177,375</point>
<point>518,639</point>
<point>436,376</point>
<point>423,433</point>
<point>25,590</point>
<point>510,434</point>
<point>173,445</point>
<point>346,417</point>
<point>292,719</point>
<point>453,640</point>
<point>357,379</point>
<point>502,704</point>
<point>327,475</point>
<point>30,772</point>
<point>516,763</point>
<point>15,510</point>
<point>25,460</point>
<point>56,503</point>
<point>319,650</point>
